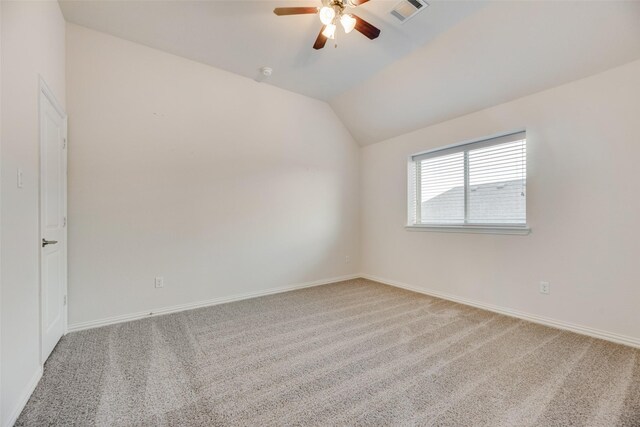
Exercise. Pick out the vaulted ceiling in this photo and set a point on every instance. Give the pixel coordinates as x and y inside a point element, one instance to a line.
<point>453,58</point>
<point>241,36</point>
<point>504,51</point>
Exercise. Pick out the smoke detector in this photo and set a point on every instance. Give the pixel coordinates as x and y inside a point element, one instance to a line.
<point>266,71</point>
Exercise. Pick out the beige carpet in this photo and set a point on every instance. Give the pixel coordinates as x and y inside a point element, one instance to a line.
<point>351,353</point>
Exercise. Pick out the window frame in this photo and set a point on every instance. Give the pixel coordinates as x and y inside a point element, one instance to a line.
<point>487,141</point>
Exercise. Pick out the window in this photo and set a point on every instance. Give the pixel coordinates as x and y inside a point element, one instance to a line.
<point>477,186</point>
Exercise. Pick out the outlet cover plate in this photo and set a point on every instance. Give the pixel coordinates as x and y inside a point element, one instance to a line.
<point>545,288</point>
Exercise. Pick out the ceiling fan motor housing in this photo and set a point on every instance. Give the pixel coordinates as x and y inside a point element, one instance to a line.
<point>339,6</point>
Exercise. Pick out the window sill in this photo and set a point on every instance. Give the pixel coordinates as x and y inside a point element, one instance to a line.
<point>522,230</point>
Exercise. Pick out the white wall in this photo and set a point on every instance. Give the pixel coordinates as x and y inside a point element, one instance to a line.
<point>219,184</point>
<point>582,204</point>
<point>33,43</point>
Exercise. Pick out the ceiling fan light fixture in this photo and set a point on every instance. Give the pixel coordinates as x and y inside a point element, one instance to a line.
<point>329,31</point>
<point>327,14</point>
<point>348,23</point>
<point>330,13</point>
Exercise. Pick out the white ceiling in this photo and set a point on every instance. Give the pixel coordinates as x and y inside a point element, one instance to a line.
<point>241,36</point>
<point>504,51</point>
<point>453,58</point>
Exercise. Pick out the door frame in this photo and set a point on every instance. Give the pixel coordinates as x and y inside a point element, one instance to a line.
<point>45,92</point>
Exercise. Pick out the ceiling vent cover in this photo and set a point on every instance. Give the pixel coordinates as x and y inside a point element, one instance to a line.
<point>407,9</point>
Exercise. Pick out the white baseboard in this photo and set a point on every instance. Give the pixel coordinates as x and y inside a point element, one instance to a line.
<point>24,398</point>
<point>554,323</point>
<point>560,324</point>
<point>198,304</point>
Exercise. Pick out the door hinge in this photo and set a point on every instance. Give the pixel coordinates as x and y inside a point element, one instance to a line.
<point>64,221</point>
<point>64,302</point>
<point>64,143</point>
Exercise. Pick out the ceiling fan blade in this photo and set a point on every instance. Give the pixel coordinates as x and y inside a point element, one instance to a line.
<point>365,28</point>
<point>355,3</point>
<point>281,11</point>
<point>321,40</point>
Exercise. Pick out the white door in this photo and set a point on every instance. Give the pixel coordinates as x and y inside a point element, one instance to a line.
<point>53,212</point>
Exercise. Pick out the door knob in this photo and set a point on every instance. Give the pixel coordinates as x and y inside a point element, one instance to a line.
<point>48,242</point>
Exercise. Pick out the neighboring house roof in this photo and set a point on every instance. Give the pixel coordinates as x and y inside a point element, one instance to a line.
<point>499,202</point>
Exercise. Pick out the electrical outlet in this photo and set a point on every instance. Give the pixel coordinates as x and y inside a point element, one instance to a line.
<point>544,288</point>
<point>159,282</point>
<point>347,259</point>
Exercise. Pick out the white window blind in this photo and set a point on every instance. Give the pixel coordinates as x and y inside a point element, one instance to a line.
<point>481,183</point>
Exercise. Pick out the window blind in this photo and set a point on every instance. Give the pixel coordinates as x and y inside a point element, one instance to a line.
<point>479,183</point>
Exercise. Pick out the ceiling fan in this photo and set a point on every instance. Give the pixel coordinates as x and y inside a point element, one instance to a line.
<point>331,13</point>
